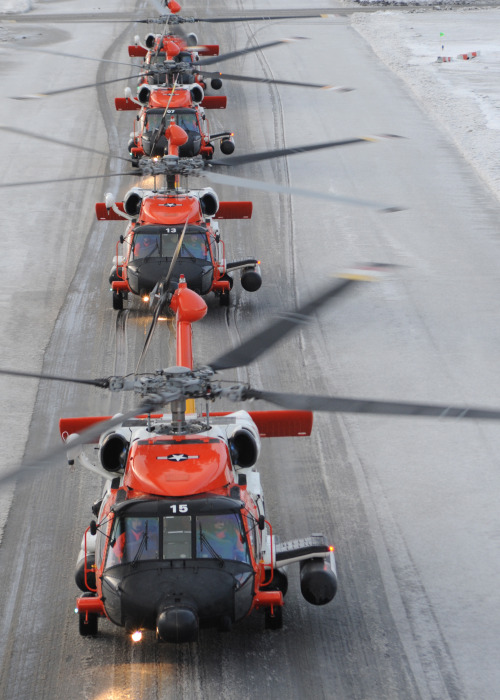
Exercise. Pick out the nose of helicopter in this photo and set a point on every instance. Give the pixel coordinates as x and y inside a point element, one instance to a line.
<point>177,624</point>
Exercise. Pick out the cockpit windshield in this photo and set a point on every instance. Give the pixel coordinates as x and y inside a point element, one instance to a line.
<point>162,241</point>
<point>186,120</point>
<point>170,537</point>
<point>133,539</point>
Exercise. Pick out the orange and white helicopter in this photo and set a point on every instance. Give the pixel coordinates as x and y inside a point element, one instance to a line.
<point>148,137</point>
<point>174,218</point>
<point>181,539</point>
<point>170,219</point>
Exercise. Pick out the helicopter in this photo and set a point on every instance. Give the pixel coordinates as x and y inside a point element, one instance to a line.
<point>159,221</point>
<point>159,218</point>
<point>175,208</point>
<point>149,136</point>
<point>180,538</point>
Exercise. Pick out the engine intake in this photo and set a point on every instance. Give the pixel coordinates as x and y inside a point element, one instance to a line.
<point>244,448</point>
<point>197,93</point>
<point>113,453</point>
<point>132,202</point>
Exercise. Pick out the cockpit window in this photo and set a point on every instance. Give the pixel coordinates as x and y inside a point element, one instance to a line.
<point>177,537</point>
<point>187,121</point>
<point>220,536</point>
<point>146,245</point>
<point>195,245</point>
<point>162,242</point>
<point>133,539</point>
<point>137,538</point>
<point>154,120</point>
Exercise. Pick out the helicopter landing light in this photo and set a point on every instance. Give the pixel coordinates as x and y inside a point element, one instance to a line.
<point>145,298</point>
<point>136,636</point>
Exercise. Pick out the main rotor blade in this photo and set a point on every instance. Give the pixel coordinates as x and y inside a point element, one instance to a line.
<point>272,81</point>
<point>242,52</point>
<point>333,404</point>
<point>268,155</point>
<point>61,91</point>
<point>248,18</point>
<point>275,331</point>
<point>284,189</point>
<point>62,179</point>
<point>49,459</point>
<point>163,298</point>
<point>16,47</point>
<point>60,142</point>
<point>101,383</point>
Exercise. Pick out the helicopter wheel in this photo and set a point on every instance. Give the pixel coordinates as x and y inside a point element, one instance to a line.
<point>117,301</point>
<point>224,299</point>
<point>273,622</point>
<point>88,628</point>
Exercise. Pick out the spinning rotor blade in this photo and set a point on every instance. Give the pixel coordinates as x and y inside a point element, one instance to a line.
<point>333,404</point>
<point>268,155</point>
<point>275,331</point>
<point>284,189</point>
<point>61,179</point>
<point>15,47</point>
<point>49,459</point>
<point>60,91</point>
<point>101,383</point>
<point>242,52</point>
<point>175,19</point>
<point>272,81</point>
<point>163,298</point>
<point>50,139</point>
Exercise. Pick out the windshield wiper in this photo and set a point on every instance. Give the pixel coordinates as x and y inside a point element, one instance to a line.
<point>204,541</point>
<point>143,544</point>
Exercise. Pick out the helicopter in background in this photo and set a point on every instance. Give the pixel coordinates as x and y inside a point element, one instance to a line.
<point>157,222</point>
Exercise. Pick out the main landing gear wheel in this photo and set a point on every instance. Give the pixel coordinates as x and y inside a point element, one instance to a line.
<point>273,622</point>
<point>117,301</point>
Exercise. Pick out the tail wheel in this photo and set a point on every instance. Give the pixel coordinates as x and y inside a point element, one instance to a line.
<point>273,621</point>
<point>87,624</point>
<point>117,301</point>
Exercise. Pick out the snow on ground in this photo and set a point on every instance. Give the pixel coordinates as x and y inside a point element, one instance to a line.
<point>7,6</point>
<point>464,95</point>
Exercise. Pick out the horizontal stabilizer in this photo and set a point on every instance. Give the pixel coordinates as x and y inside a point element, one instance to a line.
<point>137,51</point>
<point>105,214</point>
<point>234,210</point>
<point>125,104</point>
<point>214,102</point>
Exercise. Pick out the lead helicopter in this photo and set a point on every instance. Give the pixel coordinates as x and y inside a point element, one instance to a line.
<point>181,539</point>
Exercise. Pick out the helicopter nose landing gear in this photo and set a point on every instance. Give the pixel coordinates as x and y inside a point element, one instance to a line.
<point>177,624</point>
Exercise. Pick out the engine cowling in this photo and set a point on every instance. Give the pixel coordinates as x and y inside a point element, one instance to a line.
<point>132,201</point>
<point>150,40</point>
<point>197,93</point>
<point>244,448</point>
<point>113,452</point>
<point>144,94</point>
<point>209,202</point>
